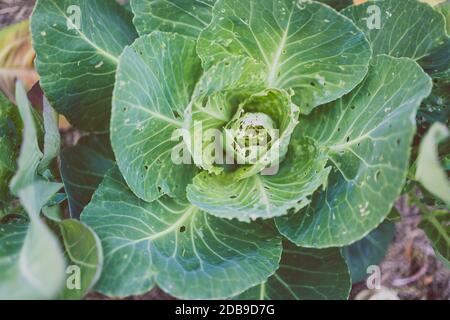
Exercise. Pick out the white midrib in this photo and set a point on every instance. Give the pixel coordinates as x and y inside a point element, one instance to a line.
<point>347,145</point>
<point>264,197</point>
<point>276,61</point>
<point>262,291</point>
<point>173,227</point>
<point>191,210</point>
<point>164,118</point>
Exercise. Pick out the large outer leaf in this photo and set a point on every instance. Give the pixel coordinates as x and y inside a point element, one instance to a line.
<point>368,251</point>
<point>429,170</point>
<point>31,262</point>
<point>368,134</point>
<point>83,168</point>
<point>83,249</point>
<point>77,66</point>
<point>259,196</point>
<point>305,274</point>
<point>186,17</point>
<point>52,139</point>
<point>30,154</point>
<point>306,46</point>
<point>155,80</point>
<point>408,28</point>
<point>171,243</point>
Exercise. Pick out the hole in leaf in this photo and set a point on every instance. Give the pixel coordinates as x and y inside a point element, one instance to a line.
<point>176,115</point>
<point>377,174</point>
<point>182,229</point>
<point>204,102</point>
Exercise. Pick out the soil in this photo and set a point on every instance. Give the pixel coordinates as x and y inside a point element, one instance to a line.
<point>410,270</point>
<point>12,11</point>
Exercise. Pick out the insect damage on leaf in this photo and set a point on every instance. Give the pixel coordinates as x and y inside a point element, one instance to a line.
<point>236,148</point>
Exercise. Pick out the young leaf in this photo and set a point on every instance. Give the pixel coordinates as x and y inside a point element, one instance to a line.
<point>368,251</point>
<point>85,258</point>
<point>429,171</point>
<point>52,139</point>
<point>155,81</point>
<point>259,196</point>
<point>77,56</point>
<point>185,17</point>
<point>30,154</point>
<point>33,267</point>
<point>368,134</point>
<point>31,261</point>
<point>174,245</point>
<point>305,46</point>
<point>83,168</point>
<point>305,274</point>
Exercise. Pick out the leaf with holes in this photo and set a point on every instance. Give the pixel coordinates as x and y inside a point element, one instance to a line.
<point>77,56</point>
<point>185,17</point>
<point>406,28</point>
<point>173,244</point>
<point>367,135</point>
<point>305,46</point>
<point>208,130</point>
<point>155,80</point>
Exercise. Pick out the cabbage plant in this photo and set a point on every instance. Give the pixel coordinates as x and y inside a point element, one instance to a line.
<point>246,149</point>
